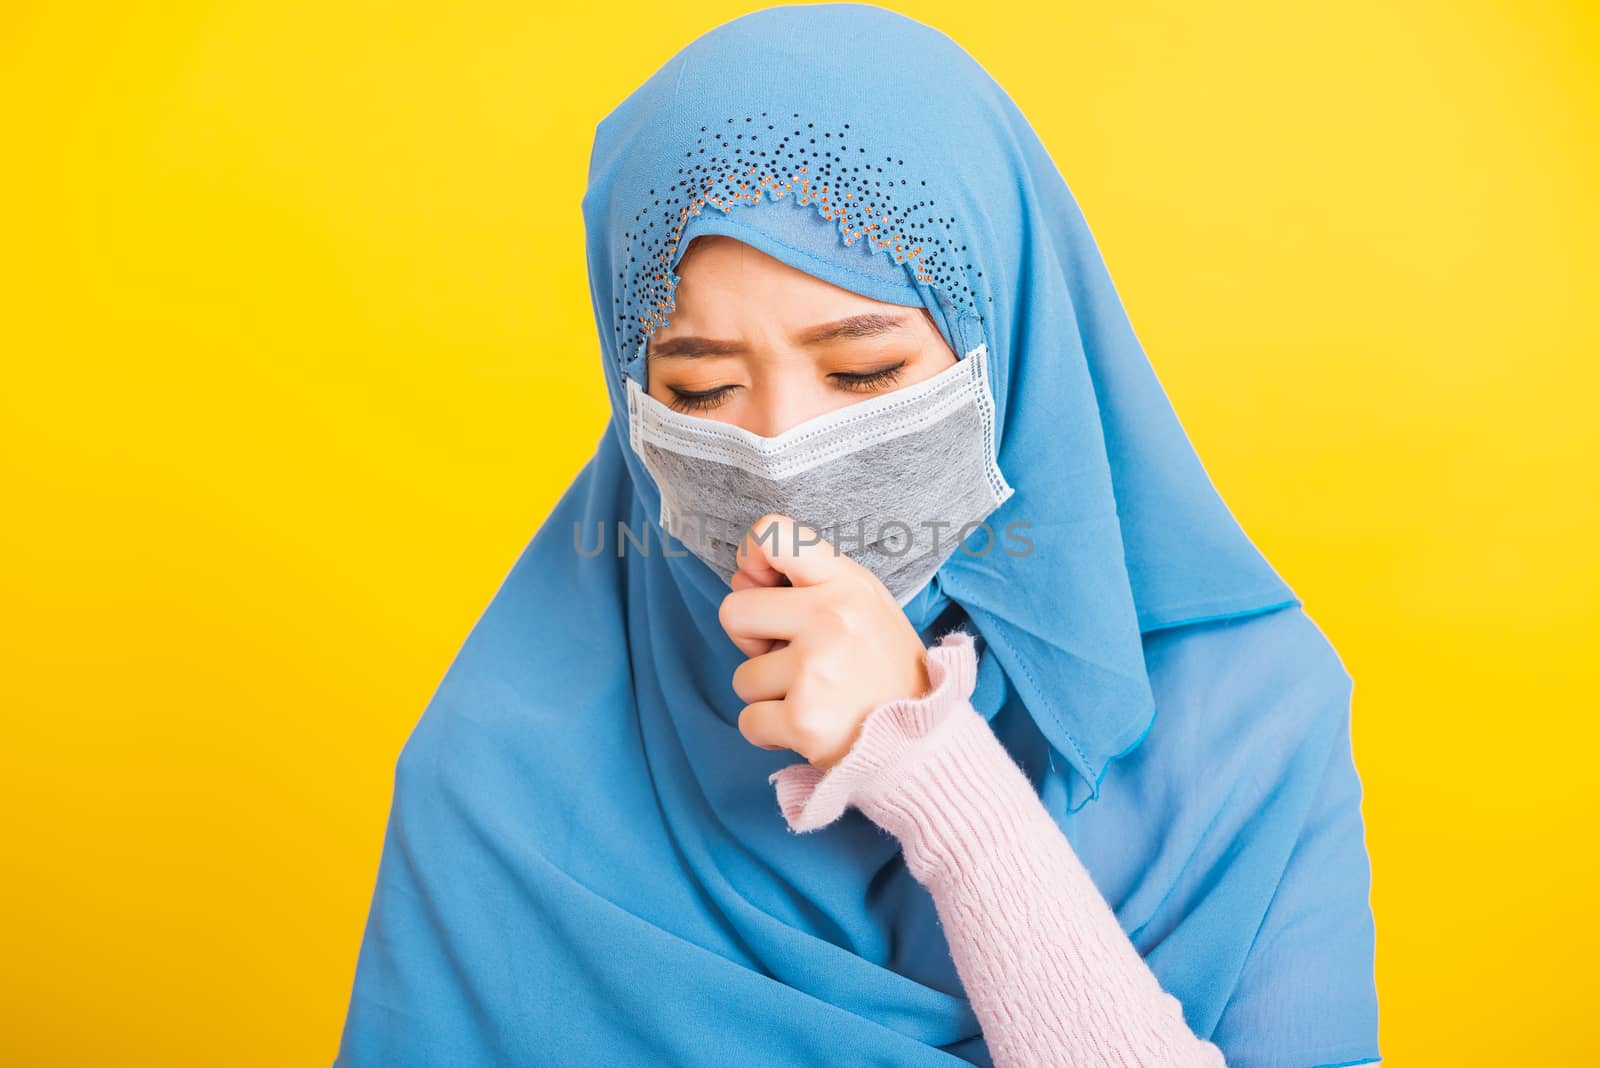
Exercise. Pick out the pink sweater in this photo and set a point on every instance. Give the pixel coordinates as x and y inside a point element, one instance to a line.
<point>1050,974</point>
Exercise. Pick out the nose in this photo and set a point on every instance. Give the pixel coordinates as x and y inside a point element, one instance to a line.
<point>780,404</point>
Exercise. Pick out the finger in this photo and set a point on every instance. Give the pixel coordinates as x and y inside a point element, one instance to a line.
<point>754,646</point>
<point>753,569</point>
<point>767,677</point>
<point>794,549</point>
<point>763,613</point>
<point>762,722</point>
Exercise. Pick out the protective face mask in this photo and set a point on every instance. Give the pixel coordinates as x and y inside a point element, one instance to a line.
<point>897,482</point>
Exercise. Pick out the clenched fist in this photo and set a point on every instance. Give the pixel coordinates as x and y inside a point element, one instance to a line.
<point>825,650</point>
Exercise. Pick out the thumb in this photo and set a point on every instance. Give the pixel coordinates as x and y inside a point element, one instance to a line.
<point>778,545</point>
<point>753,569</point>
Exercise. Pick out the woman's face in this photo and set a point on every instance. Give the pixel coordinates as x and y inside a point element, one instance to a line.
<point>759,344</point>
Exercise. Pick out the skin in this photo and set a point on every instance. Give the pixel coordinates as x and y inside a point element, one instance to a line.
<point>764,346</point>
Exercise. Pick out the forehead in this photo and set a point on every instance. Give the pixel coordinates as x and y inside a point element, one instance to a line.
<point>724,279</point>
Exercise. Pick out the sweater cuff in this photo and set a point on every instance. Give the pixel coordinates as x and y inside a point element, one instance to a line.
<point>895,737</point>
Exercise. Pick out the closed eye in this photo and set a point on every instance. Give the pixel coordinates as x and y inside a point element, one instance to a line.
<point>699,400</point>
<point>869,381</point>
<point>704,400</point>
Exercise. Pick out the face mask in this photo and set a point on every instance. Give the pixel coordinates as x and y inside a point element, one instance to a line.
<point>896,482</point>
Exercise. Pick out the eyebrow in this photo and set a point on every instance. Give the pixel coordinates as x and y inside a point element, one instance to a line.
<point>872,324</point>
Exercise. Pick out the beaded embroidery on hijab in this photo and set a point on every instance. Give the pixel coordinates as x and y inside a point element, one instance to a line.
<point>863,195</point>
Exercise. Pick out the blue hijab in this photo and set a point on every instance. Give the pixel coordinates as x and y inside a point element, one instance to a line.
<point>585,862</point>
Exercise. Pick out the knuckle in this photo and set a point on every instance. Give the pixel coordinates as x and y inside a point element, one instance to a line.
<point>826,671</point>
<point>807,731</point>
<point>840,615</point>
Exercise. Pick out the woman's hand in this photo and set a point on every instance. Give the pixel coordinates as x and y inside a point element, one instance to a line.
<point>824,651</point>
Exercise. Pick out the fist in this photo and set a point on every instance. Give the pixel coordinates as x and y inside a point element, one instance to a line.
<point>826,642</point>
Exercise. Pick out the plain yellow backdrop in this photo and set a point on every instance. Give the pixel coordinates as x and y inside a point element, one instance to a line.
<point>298,352</point>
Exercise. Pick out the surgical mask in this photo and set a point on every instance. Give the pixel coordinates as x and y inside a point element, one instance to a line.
<point>896,482</point>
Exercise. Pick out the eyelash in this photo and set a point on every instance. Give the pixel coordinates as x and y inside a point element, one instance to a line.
<point>870,382</point>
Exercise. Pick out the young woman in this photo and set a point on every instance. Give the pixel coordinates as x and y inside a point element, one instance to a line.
<point>889,486</point>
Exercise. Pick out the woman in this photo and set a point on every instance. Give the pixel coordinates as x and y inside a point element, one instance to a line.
<point>872,392</point>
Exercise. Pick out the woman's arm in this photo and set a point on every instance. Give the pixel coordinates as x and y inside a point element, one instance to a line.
<point>1050,974</point>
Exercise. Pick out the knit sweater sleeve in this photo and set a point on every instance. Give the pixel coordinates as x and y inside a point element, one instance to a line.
<point>1050,974</point>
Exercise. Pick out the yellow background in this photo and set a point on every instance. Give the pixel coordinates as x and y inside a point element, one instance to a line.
<point>298,352</point>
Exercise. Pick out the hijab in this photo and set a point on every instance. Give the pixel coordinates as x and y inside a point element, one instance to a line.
<point>584,860</point>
